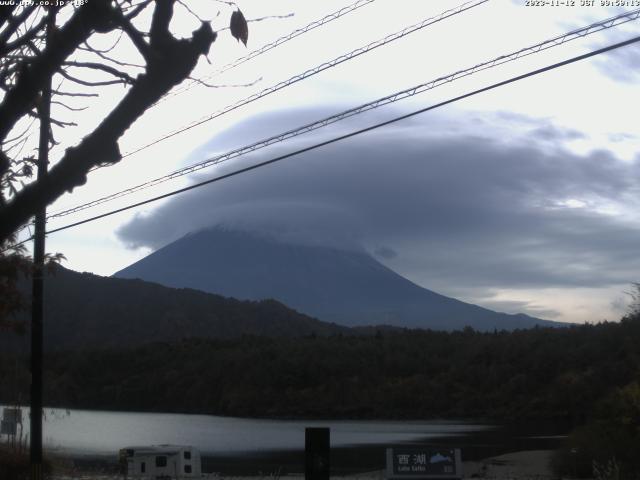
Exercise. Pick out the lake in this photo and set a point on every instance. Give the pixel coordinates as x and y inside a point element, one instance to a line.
<point>240,444</point>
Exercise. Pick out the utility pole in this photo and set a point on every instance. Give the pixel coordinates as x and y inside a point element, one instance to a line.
<point>37,302</point>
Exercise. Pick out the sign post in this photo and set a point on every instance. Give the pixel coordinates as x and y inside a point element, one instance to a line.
<point>415,462</point>
<point>317,451</point>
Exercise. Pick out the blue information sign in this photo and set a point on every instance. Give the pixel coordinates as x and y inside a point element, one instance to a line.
<point>424,462</point>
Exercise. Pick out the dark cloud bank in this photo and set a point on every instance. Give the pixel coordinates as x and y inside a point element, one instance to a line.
<point>461,209</point>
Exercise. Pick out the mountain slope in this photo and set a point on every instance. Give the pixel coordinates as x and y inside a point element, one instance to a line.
<point>346,287</point>
<point>86,310</point>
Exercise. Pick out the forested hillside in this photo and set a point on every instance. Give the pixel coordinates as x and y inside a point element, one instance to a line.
<point>538,373</point>
<point>86,310</point>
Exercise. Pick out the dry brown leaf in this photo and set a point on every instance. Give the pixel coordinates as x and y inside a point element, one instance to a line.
<point>238,26</point>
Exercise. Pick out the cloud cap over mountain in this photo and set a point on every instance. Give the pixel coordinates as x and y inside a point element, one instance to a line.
<point>455,209</point>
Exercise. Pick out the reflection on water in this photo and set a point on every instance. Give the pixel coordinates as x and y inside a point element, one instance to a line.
<point>238,446</point>
<point>97,432</point>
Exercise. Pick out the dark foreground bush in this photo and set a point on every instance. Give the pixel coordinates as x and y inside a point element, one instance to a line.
<point>604,446</point>
<point>607,447</point>
<point>14,465</point>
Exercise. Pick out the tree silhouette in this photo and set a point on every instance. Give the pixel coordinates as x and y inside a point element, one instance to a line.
<point>28,63</point>
<point>42,44</point>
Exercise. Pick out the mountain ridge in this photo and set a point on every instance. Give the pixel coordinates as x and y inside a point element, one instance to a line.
<point>83,310</point>
<point>343,286</point>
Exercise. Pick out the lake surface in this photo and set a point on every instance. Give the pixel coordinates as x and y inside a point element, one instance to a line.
<point>103,433</point>
<point>240,445</point>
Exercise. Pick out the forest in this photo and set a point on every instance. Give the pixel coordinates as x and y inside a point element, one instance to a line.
<point>583,376</point>
<point>89,311</point>
<point>558,373</point>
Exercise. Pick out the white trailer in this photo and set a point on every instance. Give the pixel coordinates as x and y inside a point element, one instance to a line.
<point>161,462</point>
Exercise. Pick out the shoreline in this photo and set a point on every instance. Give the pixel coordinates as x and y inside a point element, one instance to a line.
<point>524,465</point>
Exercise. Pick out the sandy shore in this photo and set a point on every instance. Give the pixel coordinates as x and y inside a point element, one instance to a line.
<point>525,465</point>
<point>531,464</point>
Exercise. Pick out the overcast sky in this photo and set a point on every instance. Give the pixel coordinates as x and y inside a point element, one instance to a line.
<point>523,199</point>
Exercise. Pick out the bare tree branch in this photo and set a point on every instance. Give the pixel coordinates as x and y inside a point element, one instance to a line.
<point>34,48</point>
<point>19,145</point>
<point>33,114</point>
<point>228,85</point>
<point>13,23</point>
<point>24,39</point>
<point>231,4</point>
<point>106,50</point>
<point>18,100</point>
<point>159,33</point>
<point>137,9</point>
<point>100,147</point>
<point>260,19</point>
<point>60,123</point>
<point>100,54</point>
<point>73,94</point>
<point>5,14</point>
<point>64,105</point>
<point>87,83</point>
<point>126,78</point>
<point>135,35</point>
<point>188,9</point>
<point>20,135</point>
<point>271,17</point>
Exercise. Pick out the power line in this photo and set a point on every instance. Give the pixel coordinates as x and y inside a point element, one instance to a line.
<point>348,135</point>
<point>553,42</point>
<point>276,43</point>
<point>315,70</point>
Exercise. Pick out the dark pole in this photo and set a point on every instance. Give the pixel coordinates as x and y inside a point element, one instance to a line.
<point>317,450</point>
<point>37,302</point>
